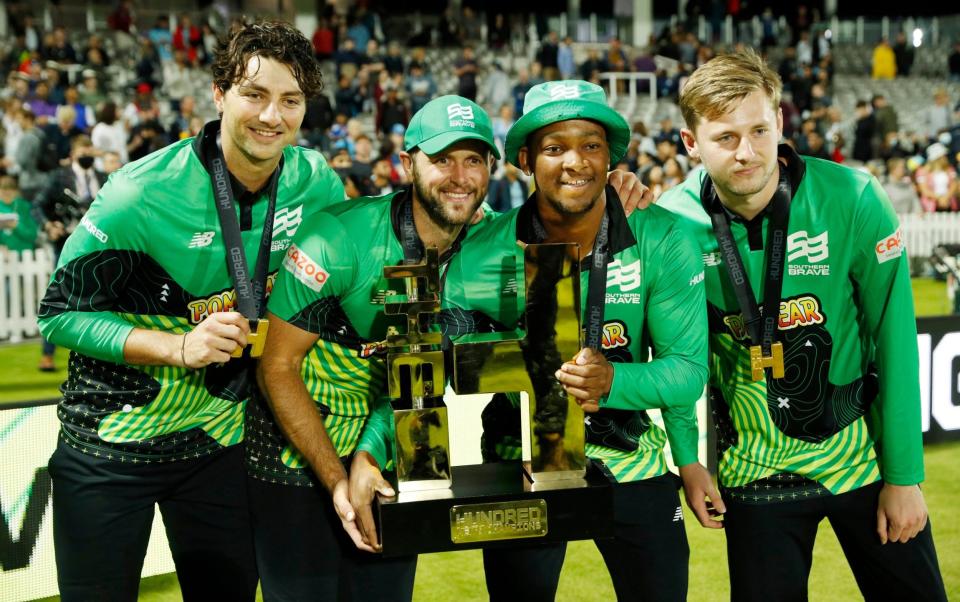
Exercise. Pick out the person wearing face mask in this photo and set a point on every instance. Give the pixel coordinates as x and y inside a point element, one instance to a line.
<point>60,206</point>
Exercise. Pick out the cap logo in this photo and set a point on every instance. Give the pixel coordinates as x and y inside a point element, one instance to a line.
<point>564,92</point>
<point>460,115</point>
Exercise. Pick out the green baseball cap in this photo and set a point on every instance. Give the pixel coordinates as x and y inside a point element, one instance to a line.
<point>551,102</point>
<point>446,120</point>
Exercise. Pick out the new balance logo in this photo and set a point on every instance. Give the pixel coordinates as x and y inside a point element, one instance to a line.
<point>287,220</point>
<point>627,277</point>
<point>460,115</point>
<point>814,249</point>
<point>201,239</point>
<point>678,515</point>
<point>711,260</point>
<point>564,92</point>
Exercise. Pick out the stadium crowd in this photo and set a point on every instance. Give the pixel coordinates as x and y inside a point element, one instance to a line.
<point>77,105</point>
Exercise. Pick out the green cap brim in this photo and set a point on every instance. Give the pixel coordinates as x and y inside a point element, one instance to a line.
<point>439,142</point>
<point>618,131</point>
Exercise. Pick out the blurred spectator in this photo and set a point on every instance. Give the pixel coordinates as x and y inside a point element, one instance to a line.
<point>884,60</point>
<point>59,134</point>
<point>392,110</point>
<point>97,62</point>
<point>210,41</point>
<point>937,117</point>
<point>465,68</point>
<point>348,98</point>
<point>670,132</point>
<point>347,58</point>
<point>804,49</point>
<point>502,123</point>
<point>816,146</point>
<point>768,29</point>
<point>420,86</point>
<point>654,181</point>
<point>43,109</point>
<point>673,173</point>
<point>667,149</point>
<point>178,78</point>
<point>89,90</point>
<point>886,115</point>
<point>180,128</point>
<point>109,134</point>
<point>323,40</point>
<point>802,88</point>
<point>143,102</point>
<point>508,191</point>
<point>61,50</point>
<point>548,56</point>
<point>121,19</point>
<point>536,74</point>
<point>496,87</point>
<point>565,62</point>
<point>380,183</point>
<point>498,35</point>
<point>903,53</point>
<point>316,120</point>
<point>449,29</point>
<point>111,160</point>
<point>55,84</point>
<point>358,32</point>
<point>615,58</point>
<point>161,38</point>
<point>363,157</point>
<point>25,162</point>
<point>591,66</point>
<point>187,37</point>
<point>864,132</point>
<point>147,135</point>
<point>788,68</point>
<point>61,204</point>
<point>148,69</point>
<point>900,188</point>
<point>18,229</point>
<point>393,62</point>
<point>472,26</point>
<point>937,181</point>
<point>84,114</point>
<point>519,91</point>
<point>953,63</point>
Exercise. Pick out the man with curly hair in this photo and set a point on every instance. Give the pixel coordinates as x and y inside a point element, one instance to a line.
<point>156,298</point>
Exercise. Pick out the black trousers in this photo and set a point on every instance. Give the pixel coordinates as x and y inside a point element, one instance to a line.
<point>770,549</point>
<point>303,553</point>
<point>102,514</point>
<point>647,558</point>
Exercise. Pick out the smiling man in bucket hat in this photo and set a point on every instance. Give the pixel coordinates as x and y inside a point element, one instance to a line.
<point>649,293</point>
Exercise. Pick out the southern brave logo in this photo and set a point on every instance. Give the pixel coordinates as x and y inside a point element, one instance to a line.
<point>564,92</point>
<point>627,277</point>
<point>460,115</point>
<point>287,220</point>
<point>813,249</point>
<point>201,239</point>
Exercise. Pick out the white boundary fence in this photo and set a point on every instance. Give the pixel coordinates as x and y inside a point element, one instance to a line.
<point>24,277</point>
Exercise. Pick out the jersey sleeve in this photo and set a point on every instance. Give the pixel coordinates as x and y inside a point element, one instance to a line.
<point>377,438</point>
<point>97,260</point>
<point>677,322</point>
<point>880,270</point>
<point>317,269</point>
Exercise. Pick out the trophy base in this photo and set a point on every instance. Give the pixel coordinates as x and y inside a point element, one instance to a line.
<point>496,505</point>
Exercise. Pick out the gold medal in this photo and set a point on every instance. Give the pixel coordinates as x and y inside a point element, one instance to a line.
<point>758,361</point>
<point>256,338</point>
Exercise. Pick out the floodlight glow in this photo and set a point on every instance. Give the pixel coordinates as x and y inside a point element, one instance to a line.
<point>917,37</point>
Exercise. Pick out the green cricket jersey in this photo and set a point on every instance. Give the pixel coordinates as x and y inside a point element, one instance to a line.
<point>331,284</point>
<point>654,298</point>
<point>150,254</point>
<point>849,335</point>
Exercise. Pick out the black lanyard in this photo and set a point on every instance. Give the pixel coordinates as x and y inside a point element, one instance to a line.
<point>250,292</point>
<point>761,328</point>
<point>596,282</point>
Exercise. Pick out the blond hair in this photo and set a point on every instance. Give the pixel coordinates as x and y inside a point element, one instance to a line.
<point>715,88</point>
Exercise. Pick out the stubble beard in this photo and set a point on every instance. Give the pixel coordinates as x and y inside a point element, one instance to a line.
<point>435,208</point>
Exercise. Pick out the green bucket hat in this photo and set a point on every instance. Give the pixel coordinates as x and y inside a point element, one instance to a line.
<point>446,120</point>
<point>551,102</point>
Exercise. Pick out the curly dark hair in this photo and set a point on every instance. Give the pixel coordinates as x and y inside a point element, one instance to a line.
<point>272,39</point>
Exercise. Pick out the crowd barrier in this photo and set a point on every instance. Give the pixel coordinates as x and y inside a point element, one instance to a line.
<point>25,276</point>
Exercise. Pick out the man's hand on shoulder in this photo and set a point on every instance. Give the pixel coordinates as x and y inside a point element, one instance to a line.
<point>901,513</point>
<point>633,194</point>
